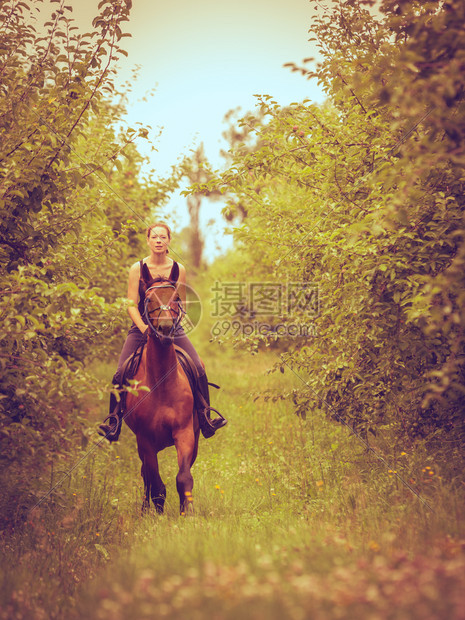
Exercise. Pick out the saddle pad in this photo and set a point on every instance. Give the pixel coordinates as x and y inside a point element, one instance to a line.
<point>188,366</point>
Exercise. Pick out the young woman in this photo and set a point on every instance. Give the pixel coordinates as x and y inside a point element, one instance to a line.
<point>159,265</point>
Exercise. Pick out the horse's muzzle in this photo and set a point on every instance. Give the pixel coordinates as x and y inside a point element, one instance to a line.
<point>165,329</point>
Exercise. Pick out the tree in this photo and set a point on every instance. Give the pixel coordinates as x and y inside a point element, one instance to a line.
<point>239,136</point>
<point>197,171</point>
<point>69,184</point>
<point>363,196</point>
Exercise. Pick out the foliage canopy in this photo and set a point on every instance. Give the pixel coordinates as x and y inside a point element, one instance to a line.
<point>363,196</point>
<point>70,181</point>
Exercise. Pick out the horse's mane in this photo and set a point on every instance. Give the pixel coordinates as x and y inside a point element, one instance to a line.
<point>158,280</point>
<point>149,281</point>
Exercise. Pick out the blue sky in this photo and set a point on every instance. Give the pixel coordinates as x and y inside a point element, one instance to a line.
<point>204,58</point>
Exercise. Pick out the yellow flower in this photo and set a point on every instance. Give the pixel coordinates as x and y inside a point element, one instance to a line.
<point>374,546</point>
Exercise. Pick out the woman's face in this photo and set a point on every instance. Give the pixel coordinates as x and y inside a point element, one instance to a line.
<point>158,240</point>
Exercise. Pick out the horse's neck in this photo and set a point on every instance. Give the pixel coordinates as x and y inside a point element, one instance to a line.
<point>161,361</point>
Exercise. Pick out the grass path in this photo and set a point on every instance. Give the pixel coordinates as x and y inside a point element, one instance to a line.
<point>293,519</point>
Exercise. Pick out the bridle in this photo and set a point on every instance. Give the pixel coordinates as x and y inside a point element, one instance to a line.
<point>174,306</point>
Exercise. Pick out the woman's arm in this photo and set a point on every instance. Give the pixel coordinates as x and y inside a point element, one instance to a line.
<point>182,285</point>
<point>133,296</point>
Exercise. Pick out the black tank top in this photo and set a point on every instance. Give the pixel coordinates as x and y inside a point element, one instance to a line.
<point>140,305</point>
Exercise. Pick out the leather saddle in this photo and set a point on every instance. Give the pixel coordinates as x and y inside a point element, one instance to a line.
<point>198,385</point>
<point>131,366</point>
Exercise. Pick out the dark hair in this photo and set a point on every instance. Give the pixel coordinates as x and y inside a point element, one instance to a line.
<point>162,225</point>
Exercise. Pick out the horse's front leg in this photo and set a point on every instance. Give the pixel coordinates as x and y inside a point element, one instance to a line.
<point>154,488</point>
<point>186,448</point>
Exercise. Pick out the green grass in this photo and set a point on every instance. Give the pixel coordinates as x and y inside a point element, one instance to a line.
<point>293,519</point>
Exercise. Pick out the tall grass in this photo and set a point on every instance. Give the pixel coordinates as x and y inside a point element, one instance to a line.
<point>293,518</point>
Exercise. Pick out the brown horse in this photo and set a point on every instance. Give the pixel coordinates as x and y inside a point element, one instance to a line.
<point>163,416</point>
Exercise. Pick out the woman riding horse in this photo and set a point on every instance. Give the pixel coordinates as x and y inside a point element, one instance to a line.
<point>159,266</point>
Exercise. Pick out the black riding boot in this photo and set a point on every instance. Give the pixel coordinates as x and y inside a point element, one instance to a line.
<point>202,405</point>
<point>112,430</point>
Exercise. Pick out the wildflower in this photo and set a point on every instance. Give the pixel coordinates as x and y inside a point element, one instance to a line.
<point>403,454</point>
<point>319,483</point>
<point>217,486</point>
<point>374,546</point>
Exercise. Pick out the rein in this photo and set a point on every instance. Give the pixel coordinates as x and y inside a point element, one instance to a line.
<point>179,311</point>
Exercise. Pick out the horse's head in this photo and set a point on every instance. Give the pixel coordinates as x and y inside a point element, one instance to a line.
<point>162,306</point>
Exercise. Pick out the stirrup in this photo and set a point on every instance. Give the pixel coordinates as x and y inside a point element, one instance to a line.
<point>112,430</point>
<point>208,426</point>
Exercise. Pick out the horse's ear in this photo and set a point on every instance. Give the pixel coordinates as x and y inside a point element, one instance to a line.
<point>174,275</point>
<point>146,274</point>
